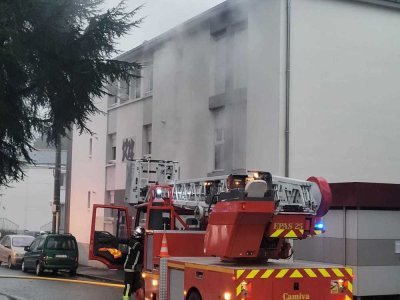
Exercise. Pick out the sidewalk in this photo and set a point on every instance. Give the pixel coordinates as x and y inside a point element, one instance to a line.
<point>113,276</point>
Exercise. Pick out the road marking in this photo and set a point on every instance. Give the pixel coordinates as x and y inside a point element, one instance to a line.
<point>64,280</point>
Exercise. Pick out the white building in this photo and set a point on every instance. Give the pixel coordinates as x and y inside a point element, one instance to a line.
<point>295,87</point>
<point>27,203</point>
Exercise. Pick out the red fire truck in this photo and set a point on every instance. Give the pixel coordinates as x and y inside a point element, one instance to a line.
<point>224,237</point>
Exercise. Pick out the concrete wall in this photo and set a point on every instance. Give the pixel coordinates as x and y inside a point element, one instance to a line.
<point>87,175</point>
<point>364,240</point>
<point>266,82</point>
<point>182,122</point>
<point>344,92</point>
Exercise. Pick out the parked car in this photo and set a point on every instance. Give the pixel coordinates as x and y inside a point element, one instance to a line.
<point>12,249</point>
<point>51,252</point>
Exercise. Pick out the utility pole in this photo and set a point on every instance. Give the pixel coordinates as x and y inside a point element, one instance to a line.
<point>56,197</point>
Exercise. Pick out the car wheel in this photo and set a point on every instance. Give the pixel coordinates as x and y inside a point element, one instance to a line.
<point>39,270</point>
<point>72,272</point>
<point>23,269</point>
<point>9,263</point>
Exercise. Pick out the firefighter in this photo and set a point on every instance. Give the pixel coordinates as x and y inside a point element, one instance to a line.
<point>133,266</point>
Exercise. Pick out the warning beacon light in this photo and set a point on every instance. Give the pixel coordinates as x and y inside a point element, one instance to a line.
<point>319,226</point>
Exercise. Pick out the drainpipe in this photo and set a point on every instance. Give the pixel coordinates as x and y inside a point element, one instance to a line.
<point>287,106</point>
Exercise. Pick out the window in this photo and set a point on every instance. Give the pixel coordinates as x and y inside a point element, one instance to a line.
<point>60,243</point>
<point>135,88</point>
<point>113,91</point>
<point>219,63</point>
<point>40,244</point>
<point>22,241</point>
<point>112,148</point>
<point>90,147</point>
<point>240,57</point>
<point>34,245</point>
<point>219,139</point>
<point>147,132</point>
<point>124,91</point>
<point>147,78</point>
<point>7,242</point>
<point>63,179</point>
<point>88,199</point>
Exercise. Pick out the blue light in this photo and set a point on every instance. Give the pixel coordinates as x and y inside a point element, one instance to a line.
<point>319,226</point>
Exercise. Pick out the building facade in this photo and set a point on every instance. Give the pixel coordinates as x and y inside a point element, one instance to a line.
<point>295,87</point>
<point>28,203</point>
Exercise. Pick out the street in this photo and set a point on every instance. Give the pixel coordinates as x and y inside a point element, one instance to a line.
<point>16,285</point>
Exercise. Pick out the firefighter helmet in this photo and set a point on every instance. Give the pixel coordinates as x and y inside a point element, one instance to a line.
<point>138,233</point>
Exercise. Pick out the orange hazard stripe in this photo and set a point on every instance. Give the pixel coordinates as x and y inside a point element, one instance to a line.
<point>334,273</point>
<point>287,233</point>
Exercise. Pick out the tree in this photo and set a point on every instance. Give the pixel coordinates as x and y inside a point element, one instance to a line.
<point>55,59</point>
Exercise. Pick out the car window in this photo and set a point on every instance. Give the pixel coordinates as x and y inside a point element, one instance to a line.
<point>60,243</point>
<point>34,245</point>
<point>40,245</point>
<point>2,241</point>
<point>22,241</point>
<point>7,242</point>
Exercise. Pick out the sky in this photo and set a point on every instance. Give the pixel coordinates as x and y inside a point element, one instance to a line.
<point>161,15</point>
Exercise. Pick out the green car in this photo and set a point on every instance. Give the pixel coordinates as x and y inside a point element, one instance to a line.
<point>51,252</point>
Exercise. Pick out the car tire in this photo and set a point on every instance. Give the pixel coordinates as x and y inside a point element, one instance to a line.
<point>39,269</point>
<point>72,272</point>
<point>23,269</point>
<point>9,263</point>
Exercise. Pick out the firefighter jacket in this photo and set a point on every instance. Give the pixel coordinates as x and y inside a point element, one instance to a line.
<point>134,259</point>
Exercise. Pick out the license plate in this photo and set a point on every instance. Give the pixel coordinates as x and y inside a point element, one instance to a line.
<point>61,256</point>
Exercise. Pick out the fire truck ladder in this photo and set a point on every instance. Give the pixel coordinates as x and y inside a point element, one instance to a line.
<point>290,195</point>
<point>143,172</point>
<point>198,192</point>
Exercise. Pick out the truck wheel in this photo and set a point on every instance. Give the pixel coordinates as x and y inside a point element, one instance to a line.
<point>194,296</point>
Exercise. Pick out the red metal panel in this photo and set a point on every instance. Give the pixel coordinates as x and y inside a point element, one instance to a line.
<point>235,229</point>
<point>326,195</point>
<point>210,284</point>
<point>182,244</point>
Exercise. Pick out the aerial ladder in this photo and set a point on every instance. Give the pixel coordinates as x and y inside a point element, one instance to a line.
<point>238,224</point>
<point>273,200</point>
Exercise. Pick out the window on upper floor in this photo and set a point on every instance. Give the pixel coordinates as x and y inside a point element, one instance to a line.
<point>219,139</point>
<point>147,139</point>
<point>90,147</point>
<point>89,195</point>
<point>219,63</point>
<point>147,79</point>
<point>63,179</point>
<point>135,91</point>
<point>112,148</point>
<point>240,56</point>
<point>113,94</point>
<point>124,91</point>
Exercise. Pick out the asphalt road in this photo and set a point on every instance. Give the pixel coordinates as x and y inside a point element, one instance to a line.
<point>16,285</point>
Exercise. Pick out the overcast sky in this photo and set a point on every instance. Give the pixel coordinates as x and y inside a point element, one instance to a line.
<point>161,15</point>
